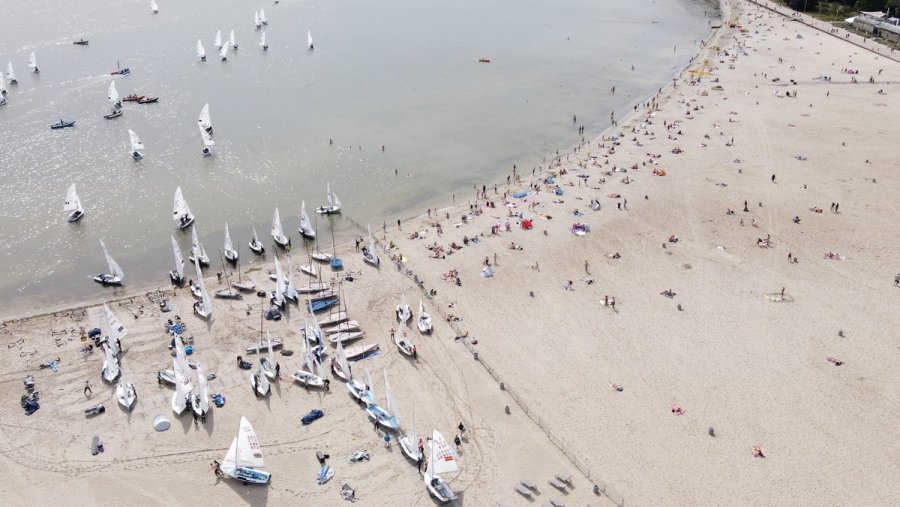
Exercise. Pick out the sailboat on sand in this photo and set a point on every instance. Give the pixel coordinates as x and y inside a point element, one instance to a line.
<point>203,307</point>
<point>368,252</point>
<point>244,459</point>
<point>183,385</point>
<point>73,205</point>
<point>115,275</point>
<point>442,460</point>
<point>385,417</point>
<point>200,400</point>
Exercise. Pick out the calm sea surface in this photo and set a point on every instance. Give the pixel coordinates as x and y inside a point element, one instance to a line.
<point>400,74</point>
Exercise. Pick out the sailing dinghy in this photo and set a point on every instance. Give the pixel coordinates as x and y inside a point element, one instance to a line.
<point>259,380</point>
<point>306,228</point>
<point>442,460</point>
<point>183,385</point>
<point>223,53</point>
<point>231,41</point>
<point>115,275</point>
<point>256,245</point>
<point>153,7</point>
<point>204,119</point>
<point>278,233</point>
<point>369,252</point>
<point>262,41</point>
<point>201,51</point>
<point>113,96</point>
<point>177,274</point>
<point>256,22</point>
<point>244,458</point>
<point>280,286</point>
<point>73,205</point>
<point>403,312</point>
<point>246,286</point>
<point>309,42</point>
<point>32,63</point>
<point>126,395</point>
<point>360,391</point>
<point>311,373</point>
<point>228,251</point>
<point>334,204</point>
<point>218,41</point>
<point>136,145</point>
<point>262,17</point>
<point>115,331</point>
<point>182,212</point>
<point>267,363</point>
<point>202,308</point>
<point>197,251</point>
<point>424,320</point>
<point>11,74</point>
<point>208,142</point>
<point>411,444</point>
<point>200,400</point>
<point>401,340</point>
<point>385,417</point>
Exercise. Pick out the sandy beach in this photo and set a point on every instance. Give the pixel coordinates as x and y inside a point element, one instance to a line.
<point>720,330</point>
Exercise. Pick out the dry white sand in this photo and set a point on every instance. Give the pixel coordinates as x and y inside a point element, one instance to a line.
<point>753,369</point>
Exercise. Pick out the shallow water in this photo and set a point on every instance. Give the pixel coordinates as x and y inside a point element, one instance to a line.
<point>399,74</point>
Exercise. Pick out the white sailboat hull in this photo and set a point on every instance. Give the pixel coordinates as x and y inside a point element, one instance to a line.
<point>126,395</point>
<point>438,488</point>
<point>308,379</point>
<point>106,279</point>
<point>410,449</point>
<point>248,475</point>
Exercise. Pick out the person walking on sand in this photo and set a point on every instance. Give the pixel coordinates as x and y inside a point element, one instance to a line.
<point>587,267</point>
<point>782,293</point>
<point>217,469</point>
<point>87,389</point>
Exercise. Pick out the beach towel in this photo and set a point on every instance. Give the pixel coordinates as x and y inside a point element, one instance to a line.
<point>520,194</point>
<point>323,474</point>
<point>558,191</point>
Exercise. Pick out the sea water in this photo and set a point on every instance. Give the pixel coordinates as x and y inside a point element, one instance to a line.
<point>392,107</point>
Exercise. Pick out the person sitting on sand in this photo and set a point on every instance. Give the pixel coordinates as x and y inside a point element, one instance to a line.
<point>758,453</point>
<point>677,410</point>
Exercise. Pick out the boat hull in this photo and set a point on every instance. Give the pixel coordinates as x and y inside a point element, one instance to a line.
<point>438,488</point>
<point>76,216</point>
<point>257,248</point>
<point>248,475</point>
<point>105,279</point>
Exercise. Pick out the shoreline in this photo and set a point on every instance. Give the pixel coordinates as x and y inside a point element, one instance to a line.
<point>661,398</point>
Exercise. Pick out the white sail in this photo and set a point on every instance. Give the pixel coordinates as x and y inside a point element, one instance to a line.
<point>114,268</point>
<point>73,203</point>
<point>207,140</point>
<point>289,281</point>
<point>113,94</point>
<point>114,327</point>
<point>204,296</point>
<point>180,365</point>
<point>223,52</point>
<point>248,452</point>
<point>203,395</point>
<point>262,17</point>
<point>153,7</point>
<point>136,143</point>
<point>218,41</point>
<point>255,236</point>
<point>231,41</point>
<point>443,456</point>
<point>180,208</point>
<point>391,403</point>
<point>329,196</point>
<point>256,20</point>
<point>337,202</point>
<point>2,87</point>
<point>201,51</point>
<point>341,358</point>
<point>179,259</point>
<point>10,73</point>
<point>32,61</point>
<point>270,355</point>
<point>309,39</point>
<point>305,225</point>
<point>228,245</point>
<point>230,461</point>
<point>262,39</point>
<point>197,249</point>
<point>277,231</point>
<point>110,363</point>
<point>204,119</point>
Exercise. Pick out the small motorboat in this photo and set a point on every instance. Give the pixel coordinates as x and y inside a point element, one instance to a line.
<point>63,124</point>
<point>148,100</point>
<point>113,115</point>
<point>121,72</point>
<point>82,42</point>
<point>132,98</point>
<point>484,60</point>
